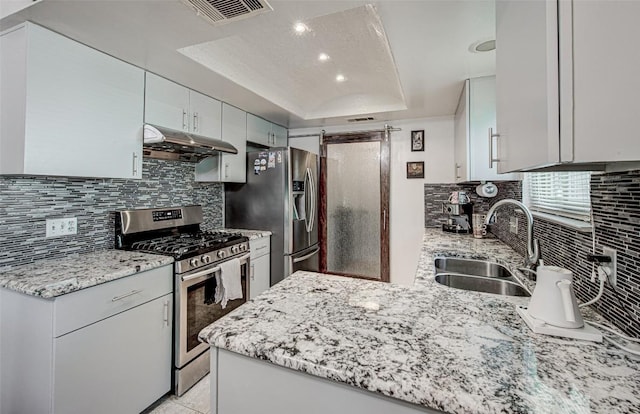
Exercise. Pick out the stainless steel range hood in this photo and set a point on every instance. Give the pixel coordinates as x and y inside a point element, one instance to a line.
<point>169,144</point>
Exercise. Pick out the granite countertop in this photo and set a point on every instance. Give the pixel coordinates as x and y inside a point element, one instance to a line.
<point>49,278</point>
<point>251,234</point>
<point>438,347</point>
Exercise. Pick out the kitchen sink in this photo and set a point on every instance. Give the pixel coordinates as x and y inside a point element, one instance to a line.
<point>478,276</point>
<point>471,267</point>
<point>481,284</point>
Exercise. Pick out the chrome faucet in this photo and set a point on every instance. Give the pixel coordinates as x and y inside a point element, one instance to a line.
<point>533,248</point>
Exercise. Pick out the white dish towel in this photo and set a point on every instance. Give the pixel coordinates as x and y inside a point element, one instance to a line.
<point>229,282</point>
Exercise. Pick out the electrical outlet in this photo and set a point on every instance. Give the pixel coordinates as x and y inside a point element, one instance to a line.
<point>513,224</point>
<point>611,267</point>
<point>62,227</point>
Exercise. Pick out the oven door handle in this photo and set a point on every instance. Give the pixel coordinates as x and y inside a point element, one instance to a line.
<point>209,271</point>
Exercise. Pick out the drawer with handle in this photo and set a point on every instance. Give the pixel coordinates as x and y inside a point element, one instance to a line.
<point>84,307</point>
<point>260,247</point>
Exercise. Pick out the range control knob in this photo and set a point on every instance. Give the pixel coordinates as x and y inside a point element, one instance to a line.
<point>205,259</point>
<point>243,247</point>
<point>194,262</point>
<point>235,249</point>
<point>221,254</point>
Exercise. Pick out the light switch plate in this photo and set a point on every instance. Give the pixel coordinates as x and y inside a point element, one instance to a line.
<point>62,227</point>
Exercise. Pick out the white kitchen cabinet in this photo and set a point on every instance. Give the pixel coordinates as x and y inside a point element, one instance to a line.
<point>475,118</point>
<point>279,135</point>
<point>258,130</point>
<point>206,115</point>
<point>228,167</point>
<point>566,85</point>
<point>104,349</point>
<point>118,365</point>
<point>176,107</point>
<point>260,274</point>
<point>265,133</point>
<point>68,109</point>
<point>166,103</point>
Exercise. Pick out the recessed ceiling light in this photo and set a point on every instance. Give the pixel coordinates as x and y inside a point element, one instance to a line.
<point>340,78</point>
<point>300,28</point>
<point>483,46</point>
<point>323,57</point>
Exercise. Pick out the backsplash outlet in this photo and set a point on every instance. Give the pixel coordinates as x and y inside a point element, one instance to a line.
<point>27,202</point>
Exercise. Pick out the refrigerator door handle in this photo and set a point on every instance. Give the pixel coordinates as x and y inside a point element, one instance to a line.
<point>306,256</point>
<point>308,190</point>
<point>312,197</point>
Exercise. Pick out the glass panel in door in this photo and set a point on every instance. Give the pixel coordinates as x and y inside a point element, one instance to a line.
<point>353,208</point>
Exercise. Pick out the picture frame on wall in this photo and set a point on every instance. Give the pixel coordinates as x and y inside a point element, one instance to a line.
<point>417,140</point>
<point>415,169</point>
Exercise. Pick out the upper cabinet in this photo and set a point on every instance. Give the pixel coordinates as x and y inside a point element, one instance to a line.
<point>265,133</point>
<point>566,87</point>
<point>475,121</point>
<point>280,135</point>
<point>228,167</point>
<point>68,110</point>
<point>173,106</point>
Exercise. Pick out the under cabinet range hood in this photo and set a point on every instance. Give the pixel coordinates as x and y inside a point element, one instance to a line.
<point>169,144</point>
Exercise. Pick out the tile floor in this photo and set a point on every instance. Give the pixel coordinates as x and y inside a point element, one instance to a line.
<point>194,401</point>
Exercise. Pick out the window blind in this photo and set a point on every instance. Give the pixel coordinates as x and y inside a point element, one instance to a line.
<point>564,193</point>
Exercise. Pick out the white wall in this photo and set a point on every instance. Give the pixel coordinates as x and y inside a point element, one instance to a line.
<point>407,195</point>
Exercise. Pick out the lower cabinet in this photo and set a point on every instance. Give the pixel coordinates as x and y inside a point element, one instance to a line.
<point>104,349</point>
<point>260,266</point>
<point>119,365</point>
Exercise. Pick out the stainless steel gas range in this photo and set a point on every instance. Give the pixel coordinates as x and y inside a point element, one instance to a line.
<point>198,254</point>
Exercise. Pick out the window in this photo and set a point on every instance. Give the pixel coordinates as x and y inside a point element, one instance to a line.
<point>565,194</point>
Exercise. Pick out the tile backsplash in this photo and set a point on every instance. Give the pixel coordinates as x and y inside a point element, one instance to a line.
<point>615,200</point>
<point>26,203</point>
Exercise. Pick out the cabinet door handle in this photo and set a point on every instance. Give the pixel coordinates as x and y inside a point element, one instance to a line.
<point>126,295</point>
<point>458,166</point>
<point>185,121</point>
<point>491,136</point>
<point>195,122</point>
<point>226,170</point>
<point>253,272</point>
<point>135,164</point>
<point>166,313</point>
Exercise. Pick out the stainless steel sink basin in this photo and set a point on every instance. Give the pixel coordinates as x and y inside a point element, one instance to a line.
<point>481,284</point>
<point>471,267</point>
<point>478,276</point>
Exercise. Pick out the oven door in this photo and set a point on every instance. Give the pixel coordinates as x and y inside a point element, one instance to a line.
<point>196,309</point>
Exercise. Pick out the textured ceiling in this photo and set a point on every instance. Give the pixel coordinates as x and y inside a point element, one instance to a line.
<point>283,66</point>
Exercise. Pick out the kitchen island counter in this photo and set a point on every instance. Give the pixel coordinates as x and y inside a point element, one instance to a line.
<point>429,345</point>
<point>48,278</point>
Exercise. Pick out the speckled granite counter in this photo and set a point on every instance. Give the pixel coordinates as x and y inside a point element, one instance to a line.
<point>441,348</point>
<point>251,234</point>
<point>54,277</point>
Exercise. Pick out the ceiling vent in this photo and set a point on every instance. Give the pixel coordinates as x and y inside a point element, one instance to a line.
<point>368,118</point>
<point>219,12</point>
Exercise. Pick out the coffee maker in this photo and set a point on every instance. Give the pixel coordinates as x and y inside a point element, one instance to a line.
<point>460,212</point>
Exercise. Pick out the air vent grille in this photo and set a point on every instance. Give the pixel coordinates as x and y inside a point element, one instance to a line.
<point>368,118</point>
<point>223,11</point>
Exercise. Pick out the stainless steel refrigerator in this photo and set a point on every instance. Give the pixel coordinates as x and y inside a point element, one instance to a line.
<point>280,195</point>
